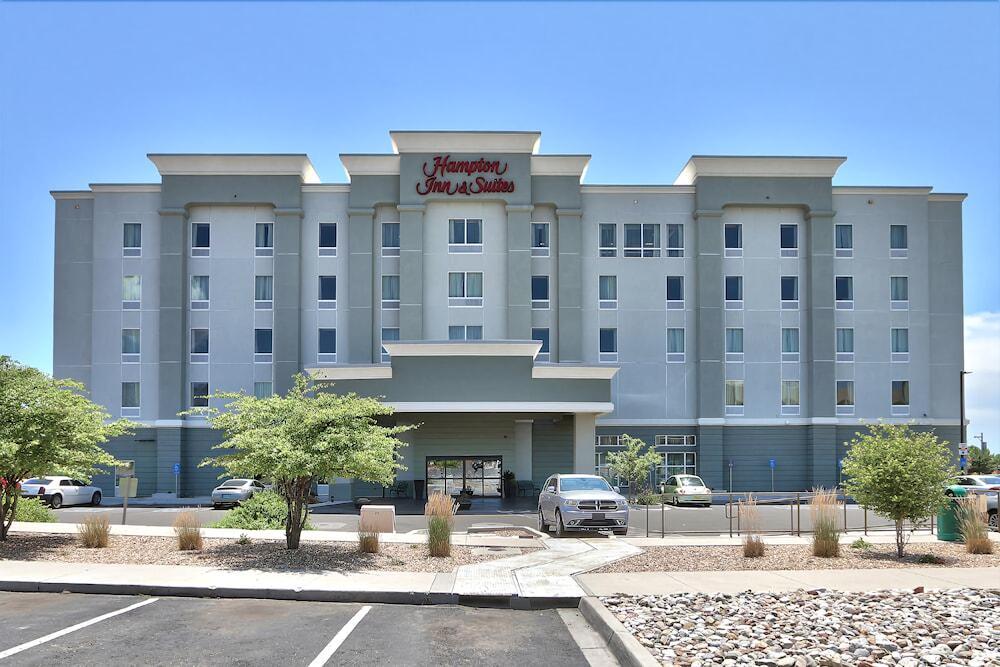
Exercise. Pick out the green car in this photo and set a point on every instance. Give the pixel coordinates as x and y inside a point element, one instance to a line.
<point>686,490</point>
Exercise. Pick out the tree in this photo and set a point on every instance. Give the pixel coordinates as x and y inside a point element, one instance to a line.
<point>306,434</point>
<point>632,464</point>
<point>981,462</point>
<point>47,427</point>
<point>899,473</point>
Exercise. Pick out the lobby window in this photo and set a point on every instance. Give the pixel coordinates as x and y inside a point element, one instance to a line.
<point>327,346</point>
<point>733,236</point>
<point>199,292</point>
<point>675,345</point>
<point>898,242</point>
<point>899,341</point>
<point>734,398</point>
<point>263,245</point>
<point>675,292</point>
<point>608,345</point>
<point>390,292</point>
<point>465,235</point>
<point>789,397</point>
<point>540,292</point>
<point>132,239</point>
<point>262,389</point>
<point>607,292</point>
<point>734,292</point>
<point>201,238</point>
<point>328,292</point>
<point>465,288</point>
<point>263,292</point>
<point>734,344</point>
<point>900,398</point>
<point>262,346</point>
<point>789,240</point>
<point>790,344</point>
<point>130,346</point>
<point>542,336</point>
<point>642,240</point>
<point>199,395</point>
<point>328,239</point>
<point>844,292</point>
<point>539,239</point>
<point>845,397</point>
<point>130,399</point>
<point>675,440</point>
<point>199,346</point>
<point>389,334</point>
<point>789,292</point>
<point>675,463</point>
<point>675,240</point>
<point>844,240</point>
<point>465,332</point>
<point>608,239</point>
<point>131,292</point>
<point>390,239</point>
<point>899,293</point>
<point>602,467</point>
<point>845,344</point>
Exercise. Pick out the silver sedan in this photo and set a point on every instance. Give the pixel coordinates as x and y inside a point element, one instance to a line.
<point>234,491</point>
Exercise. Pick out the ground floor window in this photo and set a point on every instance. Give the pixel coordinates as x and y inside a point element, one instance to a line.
<point>477,475</point>
<point>601,468</point>
<point>676,463</point>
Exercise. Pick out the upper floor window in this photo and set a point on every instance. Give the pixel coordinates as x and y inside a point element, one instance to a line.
<point>262,345</point>
<point>389,334</point>
<point>130,396</point>
<point>733,236</point>
<point>465,288</point>
<point>327,346</point>
<point>734,344</point>
<point>199,394</point>
<point>789,397</point>
<point>789,344</point>
<point>642,240</point>
<point>199,344</point>
<point>900,397</point>
<point>465,235</point>
<point>130,345</point>
<point>789,240</point>
<point>465,332</point>
<point>199,292</point>
<point>845,344</point>
<point>844,240</point>
<point>898,242</point>
<point>328,291</point>
<point>900,344</point>
<point>263,292</point>
<point>390,239</point>
<point>540,292</point>
<point>608,344</point>
<point>539,239</point>
<point>608,239</point>
<point>675,344</point>
<point>131,292</point>
<point>675,240</point>
<point>607,292</point>
<point>132,239</point>
<point>390,292</point>
<point>264,239</point>
<point>201,238</point>
<point>328,239</point>
<point>790,292</point>
<point>844,292</point>
<point>542,336</point>
<point>734,292</point>
<point>899,293</point>
<point>845,397</point>
<point>675,292</point>
<point>734,398</point>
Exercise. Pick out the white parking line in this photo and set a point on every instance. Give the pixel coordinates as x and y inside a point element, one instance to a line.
<point>339,638</point>
<point>73,628</point>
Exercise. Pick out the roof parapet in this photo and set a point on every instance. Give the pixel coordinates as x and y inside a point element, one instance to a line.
<point>235,164</point>
<point>758,166</point>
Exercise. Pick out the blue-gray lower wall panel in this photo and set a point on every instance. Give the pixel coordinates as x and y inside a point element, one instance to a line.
<point>551,448</point>
<point>139,447</point>
<point>198,444</point>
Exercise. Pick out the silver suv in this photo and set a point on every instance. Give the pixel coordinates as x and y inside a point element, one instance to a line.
<point>581,503</point>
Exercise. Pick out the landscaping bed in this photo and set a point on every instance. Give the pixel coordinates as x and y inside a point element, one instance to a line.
<point>798,557</point>
<point>825,628</point>
<point>257,554</point>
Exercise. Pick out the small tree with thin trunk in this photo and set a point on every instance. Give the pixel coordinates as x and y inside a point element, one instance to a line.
<point>632,464</point>
<point>307,434</point>
<point>899,473</point>
<point>47,427</point>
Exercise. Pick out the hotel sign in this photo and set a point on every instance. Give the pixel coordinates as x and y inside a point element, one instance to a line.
<point>464,177</point>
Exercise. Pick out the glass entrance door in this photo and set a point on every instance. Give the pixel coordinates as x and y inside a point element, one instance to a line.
<point>479,475</point>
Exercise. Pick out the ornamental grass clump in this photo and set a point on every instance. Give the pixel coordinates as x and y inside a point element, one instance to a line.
<point>95,531</point>
<point>188,530</point>
<point>823,510</point>
<point>753,545</point>
<point>972,517</point>
<point>440,516</point>
<point>367,538</point>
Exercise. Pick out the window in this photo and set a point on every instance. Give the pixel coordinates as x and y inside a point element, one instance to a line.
<point>539,239</point>
<point>845,344</point>
<point>542,336</point>
<point>734,344</point>
<point>328,292</point>
<point>263,292</point>
<point>465,235</point>
<point>642,240</point>
<point>675,440</point>
<point>898,242</point>
<point>328,239</point>
<point>675,240</point>
<point>602,469</point>
<point>675,292</point>
<point>327,346</point>
<point>389,334</point>
<point>607,292</point>
<point>734,292</point>
<point>608,241</point>
<point>199,292</point>
<point>734,398</point>
<point>200,239</point>
<point>264,239</point>
<point>130,345</point>
<point>733,237</point>
<point>262,345</point>
<point>789,240</point>
<point>844,240</point>
<point>465,288</point>
<point>900,344</point>
<point>262,389</point>
<point>789,397</point>
<point>789,344</point>
<point>845,397</point>
<point>132,240</point>
<point>199,394</point>
<point>465,332</point>
<point>790,292</point>
<point>609,441</point>
<point>899,293</point>
<point>390,239</point>
<point>131,292</point>
<point>390,292</point>
<point>675,463</point>
<point>675,345</point>
<point>844,292</point>
<point>540,292</point>
<point>608,345</point>
<point>199,346</point>
<point>130,396</point>
<point>900,397</point>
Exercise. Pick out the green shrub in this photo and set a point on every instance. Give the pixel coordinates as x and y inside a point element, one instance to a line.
<point>265,511</point>
<point>32,509</point>
<point>649,498</point>
<point>861,544</point>
<point>930,559</point>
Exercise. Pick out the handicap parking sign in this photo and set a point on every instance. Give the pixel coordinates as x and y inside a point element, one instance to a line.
<point>773,463</point>
<point>177,468</point>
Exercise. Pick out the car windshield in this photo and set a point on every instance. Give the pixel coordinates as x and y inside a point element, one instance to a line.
<point>989,480</point>
<point>38,480</point>
<point>690,481</point>
<point>234,482</point>
<point>583,484</point>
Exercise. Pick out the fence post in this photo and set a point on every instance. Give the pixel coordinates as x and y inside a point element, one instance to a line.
<point>845,513</point>
<point>791,519</point>
<point>663,532</point>
<point>866,521</point>
<point>729,511</point>
<point>798,514</point>
<point>647,519</point>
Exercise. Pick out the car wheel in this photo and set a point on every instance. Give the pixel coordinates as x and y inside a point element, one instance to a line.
<point>216,506</point>
<point>621,532</point>
<point>949,493</point>
<point>560,528</point>
<point>674,501</point>
<point>992,521</point>
<point>542,526</point>
<point>96,499</point>
<point>56,501</point>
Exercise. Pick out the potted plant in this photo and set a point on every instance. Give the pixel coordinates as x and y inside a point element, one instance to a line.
<point>509,484</point>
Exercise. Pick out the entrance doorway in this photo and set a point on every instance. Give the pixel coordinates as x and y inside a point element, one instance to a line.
<point>479,475</point>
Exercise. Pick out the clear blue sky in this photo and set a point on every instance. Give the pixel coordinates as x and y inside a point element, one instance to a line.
<point>909,92</point>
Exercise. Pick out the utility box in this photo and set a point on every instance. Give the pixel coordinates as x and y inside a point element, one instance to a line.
<point>127,486</point>
<point>947,518</point>
<point>378,518</point>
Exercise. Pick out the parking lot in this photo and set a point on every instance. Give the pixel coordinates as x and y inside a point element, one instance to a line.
<point>51,628</point>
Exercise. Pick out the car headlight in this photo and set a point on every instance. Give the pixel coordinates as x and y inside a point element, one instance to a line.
<point>571,503</point>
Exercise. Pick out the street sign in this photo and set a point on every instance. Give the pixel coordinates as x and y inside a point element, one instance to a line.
<point>773,463</point>
<point>962,462</point>
<point>177,468</point>
<point>730,463</point>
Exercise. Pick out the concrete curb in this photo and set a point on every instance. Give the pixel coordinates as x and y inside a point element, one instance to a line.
<point>622,644</point>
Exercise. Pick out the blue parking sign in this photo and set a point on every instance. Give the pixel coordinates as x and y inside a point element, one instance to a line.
<point>773,463</point>
<point>177,468</point>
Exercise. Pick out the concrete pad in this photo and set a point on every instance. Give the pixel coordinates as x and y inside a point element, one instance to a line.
<point>633,583</point>
<point>858,580</point>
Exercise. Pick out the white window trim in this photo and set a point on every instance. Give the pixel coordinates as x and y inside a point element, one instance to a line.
<point>542,304</point>
<point>671,250</point>
<point>789,304</point>
<point>843,253</point>
<point>541,251</point>
<point>734,410</point>
<point>789,409</point>
<point>263,251</point>
<point>131,253</point>
<point>466,301</point>
<point>843,410</point>
<point>676,357</point>
<point>642,249</point>
<point>199,251</point>
<point>607,251</point>
<point>674,304</point>
<point>732,252</point>
<point>607,357</point>
<point>733,304</point>
<point>389,251</point>
<point>843,304</point>
<point>466,247</point>
<point>327,251</point>
<point>789,252</point>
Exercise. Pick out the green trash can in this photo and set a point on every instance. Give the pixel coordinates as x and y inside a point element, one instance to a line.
<point>947,518</point>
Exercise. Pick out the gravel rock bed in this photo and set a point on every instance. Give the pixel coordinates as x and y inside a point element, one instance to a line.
<point>798,557</point>
<point>817,628</point>
<point>258,554</point>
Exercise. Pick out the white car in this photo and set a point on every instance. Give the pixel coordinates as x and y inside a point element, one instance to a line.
<point>234,491</point>
<point>979,483</point>
<point>59,491</point>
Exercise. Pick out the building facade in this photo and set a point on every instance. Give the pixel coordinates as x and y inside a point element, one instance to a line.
<point>743,321</point>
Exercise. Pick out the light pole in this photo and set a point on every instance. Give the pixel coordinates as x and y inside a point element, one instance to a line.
<point>961,399</point>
